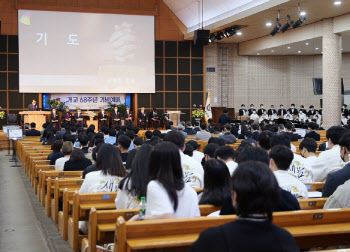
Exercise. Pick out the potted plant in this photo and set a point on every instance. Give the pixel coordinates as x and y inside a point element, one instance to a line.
<point>121,108</point>
<point>2,114</point>
<point>197,113</point>
<point>57,104</point>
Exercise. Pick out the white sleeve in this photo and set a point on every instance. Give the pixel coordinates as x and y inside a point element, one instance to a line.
<point>121,200</point>
<point>320,166</point>
<point>158,201</point>
<point>85,186</point>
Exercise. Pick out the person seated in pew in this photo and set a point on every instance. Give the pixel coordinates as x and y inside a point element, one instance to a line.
<point>298,168</point>
<point>197,155</point>
<point>340,198</point>
<point>264,140</point>
<point>50,136</point>
<point>84,142</point>
<point>123,144</point>
<point>254,116</point>
<point>131,134</point>
<point>289,131</point>
<point>77,161</point>
<point>203,134</point>
<point>227,155</point>
<point>255,195</point>
<point>111,137</point>
<point>168,196</point>
<point>336,179</point>
<point>181,129</point>
<point>134,185</point>
<point>307,149</point>
<point>329,161</point>
<point>56,152</point>
<point>280,159</point>
<point>216,183</point>
<point>287,201</point>
<point>196,126</point>
<point>188,150</point>
<point>92,167</point>
<point>227,136</point>
<point>248,138</point>
<point>209,152</point>
<point>192,170</point>
<point>32,131</point>
<point>138,142</point>
<point>188,129</point>
<point>312,132</point>
<point>67,149</point>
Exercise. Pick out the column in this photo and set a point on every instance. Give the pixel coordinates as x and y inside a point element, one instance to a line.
<point>331,67</point>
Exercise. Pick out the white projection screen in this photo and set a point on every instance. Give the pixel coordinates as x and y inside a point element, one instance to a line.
<point>69,52</point>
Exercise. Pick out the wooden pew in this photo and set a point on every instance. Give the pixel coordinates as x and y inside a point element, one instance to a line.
<point>66,212</point>
<point>312,228</point>
<point>315,186</point>
<point>312,203</point>
<point>43,165</point>
<point>82,204</point>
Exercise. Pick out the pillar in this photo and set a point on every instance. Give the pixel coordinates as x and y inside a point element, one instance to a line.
<point>331,67</point>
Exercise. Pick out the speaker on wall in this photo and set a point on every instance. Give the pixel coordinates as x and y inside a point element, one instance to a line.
<point>201,37</point>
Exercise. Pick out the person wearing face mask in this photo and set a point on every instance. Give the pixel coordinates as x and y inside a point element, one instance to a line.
<point>116,116</point>
<point>142,118</point>
<point>272,110</point>
<point>33,106</point>
<point>338,178</point>
<point>254,116</point>
<point>128,117</point>
<point>302,116</point>
<point>302,109</point>
<point>274,116</point>
<point>318,117</point>
<point>243,111</point>
<point>54,117</point>
<point>281,111</point>
<point>292,110</point>
<point>102,117</point>
<point>312,111</point>
<point>261,110</point>
<point>344,119</point>
<point>288,116</point>
<point>308,149</point>
<point>344,110</point>
<point>251,109</point>
<point>263,117</point>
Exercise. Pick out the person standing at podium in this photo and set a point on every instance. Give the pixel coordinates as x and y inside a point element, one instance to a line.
<point>54,117</point>
<point>33,106</point>
<point>67,116</point>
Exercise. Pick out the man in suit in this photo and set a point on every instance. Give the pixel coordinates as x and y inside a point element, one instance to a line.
<point>128,117</point>
<point>293,110</point>
<point>338,178</point>
<point>153,117</point>
<point>116,116</point>
<point>67,116</point>
<point>281,111</point>
<point>54,117</point>
<point>313,134</point>
<point>289,130</point>
<point>33,106</point>
<point>344,110</point>
<point>142,118</point>
<point>32,131</point>
<point>250,111</point>
<point>224,118</point>
<point>312,111</point>
<point>102,117</point>
<point>79,117</point>
<point>243,111</point>
<point>272,110</point>
<point>261,110</point>
<point>303,109</point>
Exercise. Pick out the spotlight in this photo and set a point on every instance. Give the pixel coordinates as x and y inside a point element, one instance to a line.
<point>276,29</point>
<point>303,13</point>
<point>299,22</point>
<point>220,36</point>
<point>230,32</point>
<point>239,33</point>
<point>212,38</point>
<point>268,24</point>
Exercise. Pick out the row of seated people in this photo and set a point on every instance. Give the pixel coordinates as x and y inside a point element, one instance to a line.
<point>170,155</point>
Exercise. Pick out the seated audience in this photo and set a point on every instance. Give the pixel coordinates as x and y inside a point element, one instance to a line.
<point>67,149</point>
<point>280,159</point>
<point>130,159</point>
<point>112,137</point>
<point>227,155</point>
<point>335,179</point>
<point>227,136</point>
<point>123,145</point>
<point>308,149</point>
<point>148,135</point>
<point>138,142</point>
<point>255,196</point>
<point>197,155</point>
<point>312,132</point>
<point>56,152</point>
<point>254,116</point>
<point>189,129</point>
<point>329,161</point>
<point>92,167</point>
<point>203,134</point>
<point>216,183</point>
<point>191,169</point>
<point>181,128</point>
<point>248,139</point>
<point>340,198</point>
<point>255,131</point>
<point>209,151</point>
<point>84,142</point>
<point>134,185</point>
<point>264,140</point>
<point>32,131</point>
<point>77,161</point>
<point>168,196</point>
<point>155,140</point>
<point>189,150</point>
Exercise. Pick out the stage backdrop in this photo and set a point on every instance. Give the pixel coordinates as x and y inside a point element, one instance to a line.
<point>89,101</point>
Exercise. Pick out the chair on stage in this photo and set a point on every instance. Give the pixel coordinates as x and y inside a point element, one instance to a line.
<point>12,119</point>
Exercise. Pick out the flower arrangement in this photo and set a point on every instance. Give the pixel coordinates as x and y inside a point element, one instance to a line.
<point>121,108</point>
<point>57,104</point>
<point>197,113</point>
<point>2,114</point>
<point>90,113</point>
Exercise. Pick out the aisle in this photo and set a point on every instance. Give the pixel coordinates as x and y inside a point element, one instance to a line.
<point>23,223</point>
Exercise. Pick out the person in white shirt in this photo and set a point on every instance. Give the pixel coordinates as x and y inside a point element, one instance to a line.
<point>308,149</point>
<point>318,118</point>
<point>168,196</point>
<point>254,116</point>
<point>280,159</point>
<point>263,117</point>
<point>274,116</point>
<point>302,117</point>
<point>329,161</point>
<point>297,168</point>
<point>134,185</point>
<point>192,170</point>
<point>344,119</point>
<point>288,116</point>
<point>67,149</point>
<point>227,154</point>
<point>197,155</point>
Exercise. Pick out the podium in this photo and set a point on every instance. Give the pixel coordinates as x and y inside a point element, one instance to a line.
<point>91,121</point>
<point>174,116</point>
<point>38,117</point>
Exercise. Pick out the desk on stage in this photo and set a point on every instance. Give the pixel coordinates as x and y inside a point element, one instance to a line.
<point>174,116</point>
<point>38,117</point>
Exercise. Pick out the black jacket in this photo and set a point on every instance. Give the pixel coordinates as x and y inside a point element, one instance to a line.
<point>223,119</point>
<point>280,112</point>
<point>271,111</point>
<point>64,115</point>
<point>77,166</point>
<point>100,116</point>
<point>32,132</point>
<point>142,117</point>
<point>261,111</point>
<point>293,111</point>
<point>310,112</point>
<point>115,115</point>
<point>30,107</point>
<point>81,115</point>
<point>335,179</point>
<point>241,112</point>
<point>250,111</point>
<point>314,135</point>
<point>54,117</point>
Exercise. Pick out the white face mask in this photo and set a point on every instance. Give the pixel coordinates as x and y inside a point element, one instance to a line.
<point>251,107</point>
<point>292,107</point>
<point>262,107</point>
<point>343,107</point>
<point>282,107</point>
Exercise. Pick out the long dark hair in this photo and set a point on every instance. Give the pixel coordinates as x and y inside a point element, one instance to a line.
<point>109,161</point>
<point>136,181</point>
<point>77,156</point>
<point>165,167</point>
<point>216,182</point>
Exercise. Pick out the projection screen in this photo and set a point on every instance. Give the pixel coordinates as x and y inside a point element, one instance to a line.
<point>69,52</point>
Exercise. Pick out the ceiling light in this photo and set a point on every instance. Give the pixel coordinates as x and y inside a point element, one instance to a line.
<point>303,13</point>
<point>337,3</point>
<point>272,50</point>
<point>239,33</point>
<point>299,51</point>
<point>212,38</point>
<point>268,24</point>
<point>316,48</point>
<point>306,43</point>
<point>288,47</point>
<point>258,54</point>
<point>299,22</point>
<point>342,49</point>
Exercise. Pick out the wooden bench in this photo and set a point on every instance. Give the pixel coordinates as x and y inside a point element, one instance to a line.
<point>82,204</point>
<point>312,228</point>
<point>40,165</point>
<point>62,217</point>
<point>312,203</point>
<point>315,186</point>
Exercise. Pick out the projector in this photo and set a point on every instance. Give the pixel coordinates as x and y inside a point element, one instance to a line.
<point>201,37</point>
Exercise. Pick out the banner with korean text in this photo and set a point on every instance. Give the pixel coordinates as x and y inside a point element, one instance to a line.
<point>89,101</point>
